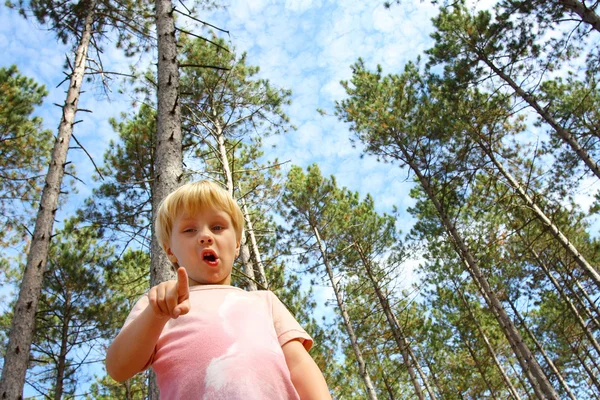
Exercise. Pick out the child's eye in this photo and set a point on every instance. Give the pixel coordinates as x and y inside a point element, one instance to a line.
<point>217,228</point>
<point>189,230</point>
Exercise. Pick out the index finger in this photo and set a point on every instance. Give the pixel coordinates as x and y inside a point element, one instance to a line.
<point>183,291</point>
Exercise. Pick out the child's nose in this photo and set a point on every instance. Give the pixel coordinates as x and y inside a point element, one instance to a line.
<point>205,239</point>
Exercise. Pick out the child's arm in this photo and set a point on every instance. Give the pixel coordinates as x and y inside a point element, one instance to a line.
<point>306,375</point>
<point>131,350</point>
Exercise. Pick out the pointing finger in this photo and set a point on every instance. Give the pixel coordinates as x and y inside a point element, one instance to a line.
<point>183,291</point>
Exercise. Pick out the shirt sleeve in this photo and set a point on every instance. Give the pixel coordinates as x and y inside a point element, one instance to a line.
<point>286,326</point>
<point>137,309</point>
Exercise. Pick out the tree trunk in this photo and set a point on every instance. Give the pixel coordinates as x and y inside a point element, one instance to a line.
<point>558,235</point>
<point>255,250</point>
<point>588,16</point>
<point>567,300</point>
<point>505,378</point>
<point>590,373</point>
<point>359,357</point>
<point>168,152</point>
<point>415,361</point>
<point>478,364</point>
<point>23,323</point>
<point>545,114</point>
<point>436,381</point>
<point>224,159</point>
<point>389,388</point>
<point>543,351</point>
<point>588,298</point>
<point>529,364</point>
<point>62,357</point>
<point>393,323</point>
<point>521,381</point>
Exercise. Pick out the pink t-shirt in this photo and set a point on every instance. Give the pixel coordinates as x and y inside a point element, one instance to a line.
<point>227,347</point>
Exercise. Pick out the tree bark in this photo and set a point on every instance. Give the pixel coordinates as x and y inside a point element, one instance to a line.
<point>561,379</point>
<point>168,153</point>
<point>62,357</point>
<point>245,257</point>
<point>529,364</point>
<point>478,364</point>
<point>587,369</point>
<point>587,296</point>
<point>556,233</point>
<point>505,378</point>
<point>357,352</point>
<point>16,359</point>
<point>567,300</point>
<point>566,135</point>
<point>393,323</point>
<point>255,250</point>
<point>588,16</point>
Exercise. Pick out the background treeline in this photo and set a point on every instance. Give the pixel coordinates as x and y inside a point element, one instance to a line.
<point>497,125</point>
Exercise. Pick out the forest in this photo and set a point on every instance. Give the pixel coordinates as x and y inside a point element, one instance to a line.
<point>495,125</point>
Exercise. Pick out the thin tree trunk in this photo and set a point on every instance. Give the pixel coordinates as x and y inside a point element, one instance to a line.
<point>245,257</point>
<point>505,378</point>
<point>588,298</point>
<point>556,233</point>
<point>543,351</point>
<point>16,359</point>
<point>168,152</point>
<point>253,242</point>
<point>545,114</point>
<point>430,391</point>
<point>590,373</point>
<point>357,352</point>
<point>582,304</point>
<point>436,381</point>
<point>572,307</point>
<point>62,355</point>
<point>393,323</point>
<point>478,364</point>
<point>521,381</point>
<point>587,15</point>
<point>529,364</point>
<point>389,389</point>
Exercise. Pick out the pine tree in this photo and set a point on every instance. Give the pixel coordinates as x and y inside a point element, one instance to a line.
<point>78,22</point>
<point>25,147</point>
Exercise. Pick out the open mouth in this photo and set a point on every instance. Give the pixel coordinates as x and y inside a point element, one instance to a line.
<point>210,257</point>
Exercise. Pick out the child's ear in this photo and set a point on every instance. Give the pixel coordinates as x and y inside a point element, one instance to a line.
<point>172,257</point>
<point>237,250</point>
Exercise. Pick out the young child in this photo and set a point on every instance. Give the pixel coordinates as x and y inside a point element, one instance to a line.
<point>204,338</point>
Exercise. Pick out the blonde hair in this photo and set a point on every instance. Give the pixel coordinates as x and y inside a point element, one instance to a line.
<point>190,198</point>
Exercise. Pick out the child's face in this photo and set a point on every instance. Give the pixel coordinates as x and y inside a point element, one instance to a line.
<point>204,244</point>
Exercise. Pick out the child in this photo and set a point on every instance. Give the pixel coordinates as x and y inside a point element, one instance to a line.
<point>204,338</point>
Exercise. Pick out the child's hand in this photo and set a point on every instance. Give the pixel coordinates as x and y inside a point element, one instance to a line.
<point>171,298</point>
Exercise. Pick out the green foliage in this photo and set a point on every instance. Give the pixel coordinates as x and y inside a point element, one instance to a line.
<point>74,312</point>
<point>130,20</point>
<point>25,148</point>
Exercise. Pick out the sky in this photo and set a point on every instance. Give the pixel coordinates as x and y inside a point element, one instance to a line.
<point>307,46</point>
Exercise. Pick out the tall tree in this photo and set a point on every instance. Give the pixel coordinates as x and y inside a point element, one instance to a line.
<point>395,119</point>
<point>78,22</point>
<point>505,51</point>
<point>25,147</point>
<point>310,200</point>
<point>228,108</point>
<point>74,311</point>
<point>374,240</point>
